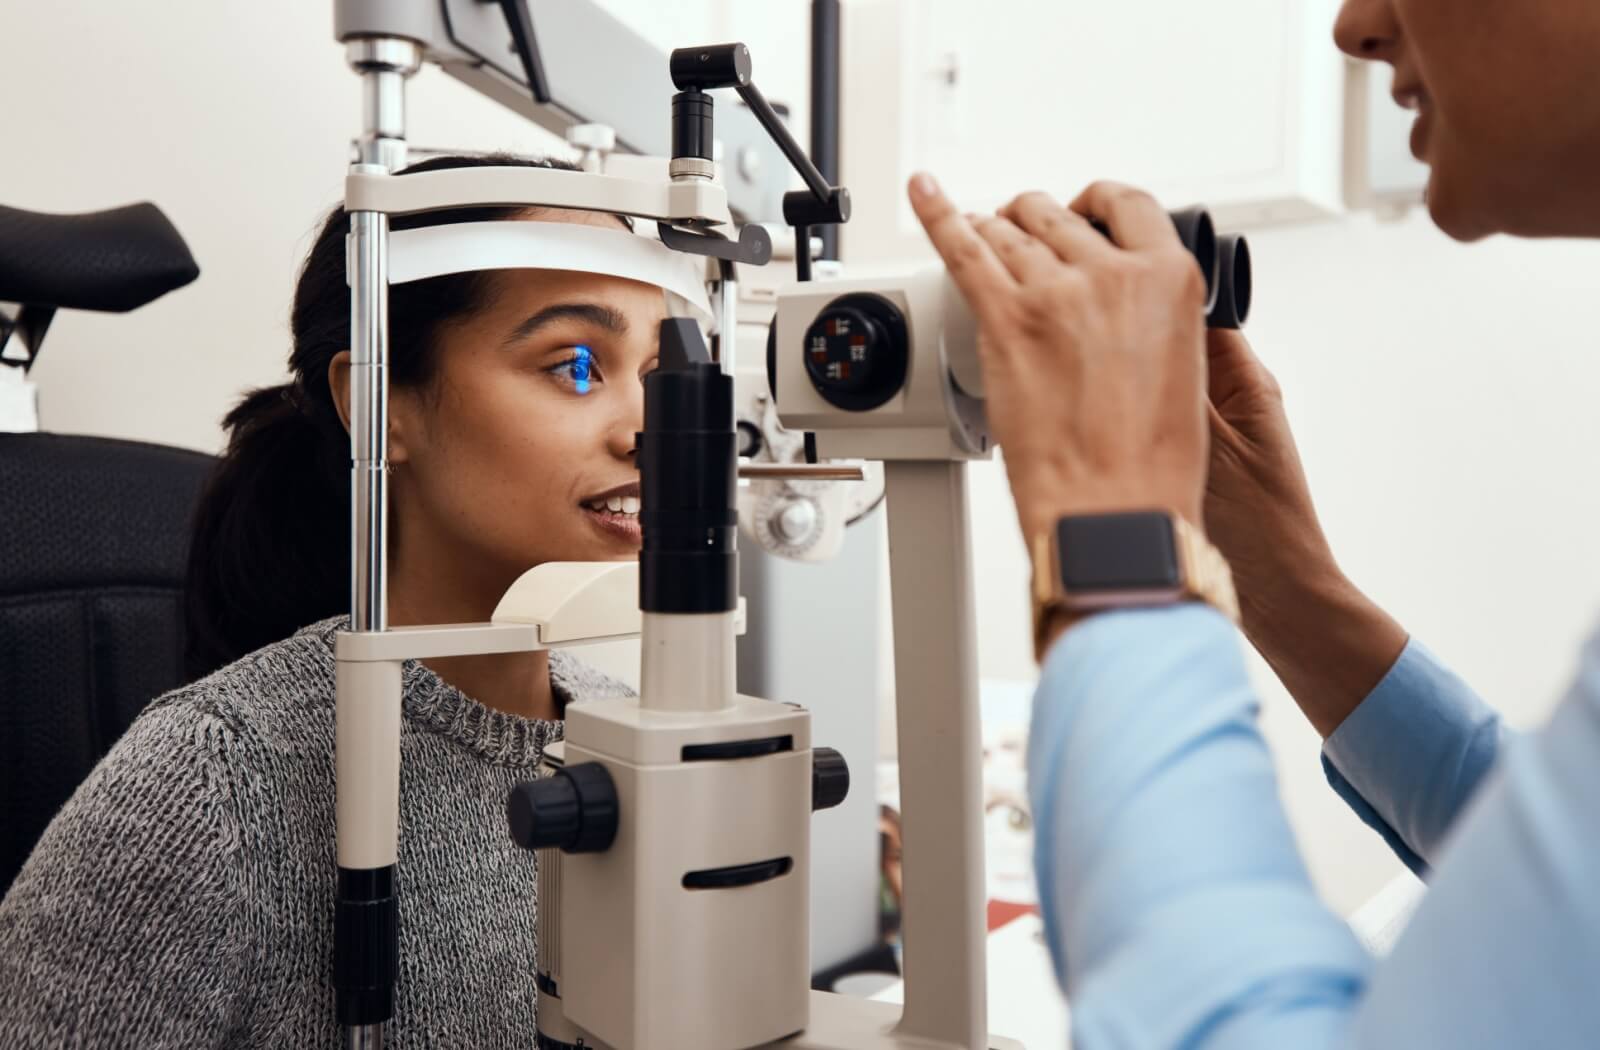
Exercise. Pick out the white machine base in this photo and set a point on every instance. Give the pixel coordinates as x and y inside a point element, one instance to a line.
<point>841,1022</point>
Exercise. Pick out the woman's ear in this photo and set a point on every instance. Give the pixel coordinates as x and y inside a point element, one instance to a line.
<point>339,386</point>
<point>400,407</point>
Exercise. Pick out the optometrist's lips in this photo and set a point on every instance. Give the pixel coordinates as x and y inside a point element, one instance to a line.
<point>1415,97</point>
<point>615,513</point>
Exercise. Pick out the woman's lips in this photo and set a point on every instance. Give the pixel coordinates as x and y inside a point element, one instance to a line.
<point>616,524</point>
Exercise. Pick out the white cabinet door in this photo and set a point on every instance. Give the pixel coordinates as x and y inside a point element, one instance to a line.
<point>1236,104</point>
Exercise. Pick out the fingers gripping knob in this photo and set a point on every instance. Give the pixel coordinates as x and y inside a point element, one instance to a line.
<point>575,810</point>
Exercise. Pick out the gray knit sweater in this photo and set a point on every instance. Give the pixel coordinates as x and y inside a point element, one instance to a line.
<point>183,897</point>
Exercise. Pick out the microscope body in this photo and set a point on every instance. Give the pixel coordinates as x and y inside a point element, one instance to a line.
<point>882,369</point>
<point>683,815</point>
<point>694,922</point>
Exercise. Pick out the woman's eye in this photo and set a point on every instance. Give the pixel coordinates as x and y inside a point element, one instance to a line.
<point>579,369</point>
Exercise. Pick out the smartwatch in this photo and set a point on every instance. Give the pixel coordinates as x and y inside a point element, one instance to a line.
<point>1088,562</point>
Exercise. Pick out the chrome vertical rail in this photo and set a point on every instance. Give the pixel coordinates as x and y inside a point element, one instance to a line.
<point>367,737</point>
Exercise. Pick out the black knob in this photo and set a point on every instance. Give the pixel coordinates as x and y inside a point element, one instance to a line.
<point>749,438</point>
<point>855,352</point>
<point>710,67</point>
<point>804,208</point>
<point>575,810</point>
<point>830,778</point>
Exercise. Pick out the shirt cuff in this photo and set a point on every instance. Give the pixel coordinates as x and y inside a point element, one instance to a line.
<point>1410,756</point>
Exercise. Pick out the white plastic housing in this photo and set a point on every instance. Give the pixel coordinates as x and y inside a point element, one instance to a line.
<point>932,417</point>
<point>648,963</point>
<point>689,201</point>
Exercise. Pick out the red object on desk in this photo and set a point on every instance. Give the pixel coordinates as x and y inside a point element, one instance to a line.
<point>1002,912</point>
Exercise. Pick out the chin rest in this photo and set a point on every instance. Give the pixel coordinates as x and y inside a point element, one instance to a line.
<point>115,260</point>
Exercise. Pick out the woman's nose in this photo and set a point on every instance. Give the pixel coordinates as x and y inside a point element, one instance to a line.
<point>1367,30</point>
<point>622,435</point>
<point>620,442</point>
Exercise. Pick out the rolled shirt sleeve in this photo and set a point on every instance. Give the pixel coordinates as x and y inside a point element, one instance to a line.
<point>1410,757</point>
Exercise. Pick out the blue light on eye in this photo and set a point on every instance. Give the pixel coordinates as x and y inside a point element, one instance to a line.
<point>581,365</point>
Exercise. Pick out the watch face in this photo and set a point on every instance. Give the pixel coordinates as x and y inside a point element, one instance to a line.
<point>1117,552</point>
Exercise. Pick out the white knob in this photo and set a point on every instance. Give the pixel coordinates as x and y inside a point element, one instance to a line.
<point>600,137</point>
<point>796,521</point>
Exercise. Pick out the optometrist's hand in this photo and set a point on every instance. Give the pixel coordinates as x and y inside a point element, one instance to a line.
<point>1093,352</point>
<point>1258,504</point>
<point>1327,641</point>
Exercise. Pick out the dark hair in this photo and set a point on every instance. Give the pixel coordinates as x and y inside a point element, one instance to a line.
<point>270,549</point>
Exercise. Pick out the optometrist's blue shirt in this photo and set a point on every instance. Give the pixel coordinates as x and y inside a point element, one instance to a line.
<point>1180,914</point>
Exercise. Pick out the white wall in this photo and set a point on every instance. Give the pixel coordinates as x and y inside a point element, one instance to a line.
<point>1443,395</point>
<point>235,117</point>
<point>1443,398</point>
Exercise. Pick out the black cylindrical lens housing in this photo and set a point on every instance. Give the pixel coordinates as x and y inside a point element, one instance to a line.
<point>1234,283</point>
<point>1199,236</point>
<point>688,470</point>
<point>692,124</point>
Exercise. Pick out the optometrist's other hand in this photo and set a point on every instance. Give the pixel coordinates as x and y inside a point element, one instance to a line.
<point>1258,504</point>
<point>1328,642</point>
<point>1093,352</point>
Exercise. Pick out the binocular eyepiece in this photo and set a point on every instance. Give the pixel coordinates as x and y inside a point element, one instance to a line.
<point>1231,305</point>
<point>1224,260</point>
<point>853,342</point>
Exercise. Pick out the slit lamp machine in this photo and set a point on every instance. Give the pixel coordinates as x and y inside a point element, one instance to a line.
<point>673,829</point>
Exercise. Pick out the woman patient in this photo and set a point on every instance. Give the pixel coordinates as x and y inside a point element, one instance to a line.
<point>184,896</point>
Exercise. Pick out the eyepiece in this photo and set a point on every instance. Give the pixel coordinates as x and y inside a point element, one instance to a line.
<point>1232,305</point>
<point>1199,236</point>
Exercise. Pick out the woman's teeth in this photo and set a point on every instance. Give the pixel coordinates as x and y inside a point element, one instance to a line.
<point>615,504</point>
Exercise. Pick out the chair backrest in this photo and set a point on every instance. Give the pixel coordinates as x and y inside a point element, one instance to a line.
<point>116,260</point>
<point>94,539</point>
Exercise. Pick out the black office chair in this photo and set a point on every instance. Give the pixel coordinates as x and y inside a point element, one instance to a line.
<point>94,532</point>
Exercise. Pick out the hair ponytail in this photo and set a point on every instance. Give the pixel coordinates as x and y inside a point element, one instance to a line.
<point>270,550</point>
<point>263,561</point>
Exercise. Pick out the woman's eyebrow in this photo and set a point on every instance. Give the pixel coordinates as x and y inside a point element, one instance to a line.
<point>598,314</point>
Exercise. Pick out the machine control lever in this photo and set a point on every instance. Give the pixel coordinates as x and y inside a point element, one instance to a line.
<point>754,246</point>
<point>696,70</point>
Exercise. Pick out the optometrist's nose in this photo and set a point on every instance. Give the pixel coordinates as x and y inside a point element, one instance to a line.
<point>1367,30</point>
